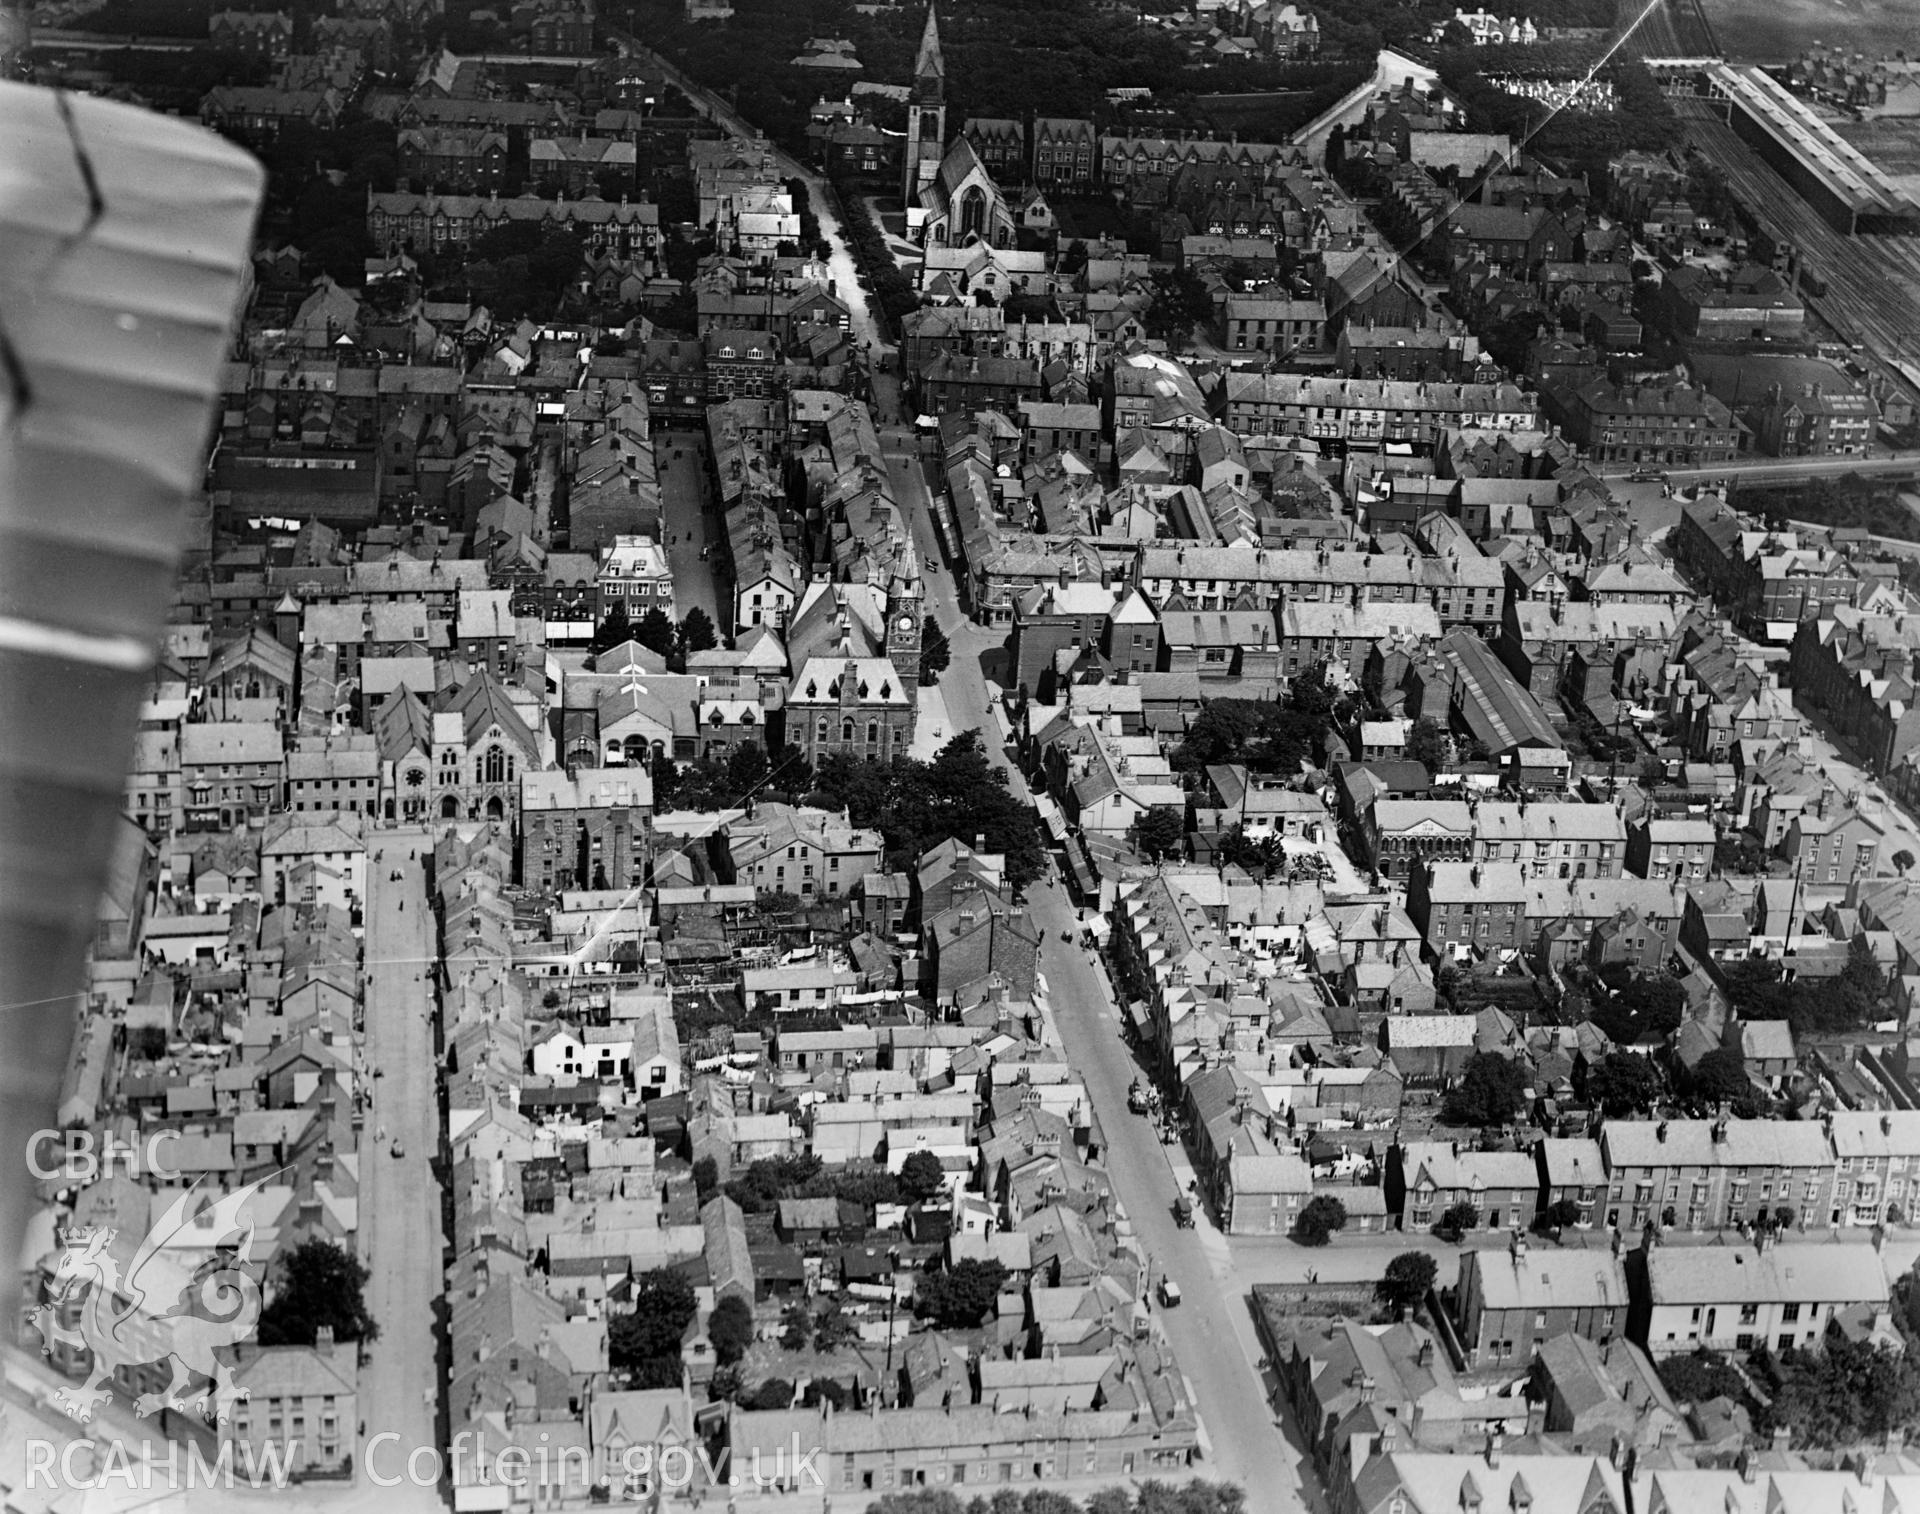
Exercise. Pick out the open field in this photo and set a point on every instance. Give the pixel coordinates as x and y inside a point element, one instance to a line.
<point>1893,142</point>
<point>1777,31</point>
<point>1672,29</point>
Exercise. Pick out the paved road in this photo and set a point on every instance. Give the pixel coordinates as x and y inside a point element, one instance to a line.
<point>1756,468</point>
<point>1852,780</point>
<point>400,1220</point>
<point>680,457</point>
<point>544,475</point>
<point>1211,1331</point>
<point>840,261</point>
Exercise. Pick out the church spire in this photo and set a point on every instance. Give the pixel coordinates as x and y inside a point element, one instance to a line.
<point>929,68</point>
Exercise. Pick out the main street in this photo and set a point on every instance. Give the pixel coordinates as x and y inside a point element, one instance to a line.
<point>680,458</point>
<point>840,262</point>
<point>1774,469</point>
<point>400,1221</point>
<point>1211,1331</point>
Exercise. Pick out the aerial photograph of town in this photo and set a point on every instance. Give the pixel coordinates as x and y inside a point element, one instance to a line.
<point>993,757</point>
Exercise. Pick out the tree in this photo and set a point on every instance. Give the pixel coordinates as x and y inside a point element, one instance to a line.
<point>924,1501</point>
<point>915,805</point>
<point>1406,1281</point>
<point>657,632</point>
<point>706,1177</point>
<point>1622,1082</point>
<point>1902,860</point>
<point>1316,1223</point>
<point>961,1296</point>
<point>1266,736</point>
<point>1721,1076</point>
<point>1156,1497</point>
<point>1862,974</point>
<point>824,1390</point>
<point>1459,1219</point>
<point>696,632</point>
<point>833,1327</point>
<point>147,1043</point>
<point>646,1343</point>
<point>1739,852</point>
<point>1695,1378</point>
<point>321,1285</point>
<point>1558,1215</point>
<point>1642,1008</point>
<point>936,652</point>
<point>1490,1092</point>
<point>1427,744</point>
<point>615,628</point>
<point>1845,1391</point>
<point>1159,831</point>
<point>921,1177</point>
<point>1310,694</point>
<point>1180,303</point>
<point>774,1393</point>
<point>730,1329</point>
<point>796,1327</point>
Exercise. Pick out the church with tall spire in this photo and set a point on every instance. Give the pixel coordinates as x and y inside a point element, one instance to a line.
<point>950,197</point>
<point>926,114</point>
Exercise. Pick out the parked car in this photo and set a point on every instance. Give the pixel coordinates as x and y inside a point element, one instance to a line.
<point>1169,1293</point>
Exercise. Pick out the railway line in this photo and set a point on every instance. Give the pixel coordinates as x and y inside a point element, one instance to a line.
<point>1872,282</point>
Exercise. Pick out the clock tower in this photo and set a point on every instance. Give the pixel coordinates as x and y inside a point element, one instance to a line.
<point>906,613</point>
<point>926,115</point>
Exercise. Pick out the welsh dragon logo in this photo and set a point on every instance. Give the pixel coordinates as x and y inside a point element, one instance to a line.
<point>121,1325</point>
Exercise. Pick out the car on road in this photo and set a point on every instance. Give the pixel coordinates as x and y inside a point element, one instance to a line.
<point>1169,1293</point>
<point>399,1149</point>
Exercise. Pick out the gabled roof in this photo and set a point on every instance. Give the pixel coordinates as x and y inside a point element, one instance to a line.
<point>483,704</point>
